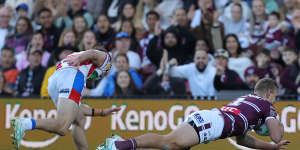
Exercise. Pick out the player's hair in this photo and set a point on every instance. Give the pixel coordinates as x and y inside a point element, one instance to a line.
<point>264,85</point>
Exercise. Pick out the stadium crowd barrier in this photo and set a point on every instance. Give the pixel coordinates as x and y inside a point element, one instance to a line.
<point>136,117</point>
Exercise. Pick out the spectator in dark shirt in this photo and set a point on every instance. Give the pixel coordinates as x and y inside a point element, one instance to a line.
<point>290,72</point>
<point>170,41</point>
<point>263,67</point>
<point>225,78</point>
<point>105,34</point>
<point>49,31</point>
<point>30,79</point>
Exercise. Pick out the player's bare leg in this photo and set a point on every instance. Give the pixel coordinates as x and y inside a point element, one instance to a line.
<point>183,137</point>
<point>78,131</point>
<point>66,113</point>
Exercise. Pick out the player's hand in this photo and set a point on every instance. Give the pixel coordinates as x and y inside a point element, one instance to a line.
<point>74,61</point>
<point>109,111</point>
<point>282,143</point>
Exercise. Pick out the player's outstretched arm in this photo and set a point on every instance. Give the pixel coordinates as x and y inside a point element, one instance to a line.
<point>251,142</point>
<point>88,111</point>
<point>96,56</point>
<point>276,129</point>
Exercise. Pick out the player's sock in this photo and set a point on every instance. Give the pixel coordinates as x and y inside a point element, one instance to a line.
<point>126,145</point>
<point>29,124</point>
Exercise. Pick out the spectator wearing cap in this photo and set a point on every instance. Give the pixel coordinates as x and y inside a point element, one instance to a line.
<point>122,44</point>
<point>26,5</point>
<point>36,42</point>
<point>22,11</point>
<point>59,54</point>
<point>8,67</point>
<point>289,75</point>
<point>5,28</point>
<point>49,31</point>
<point>199,74</point>
<point>251,77</point>
<point>104,32</point>
<point>29,81</point>
<point>76,9</point>
<point>225,78</point>
<point>21,36</point>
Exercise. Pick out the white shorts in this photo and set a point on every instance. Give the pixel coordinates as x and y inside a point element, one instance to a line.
<point>66,83</point>
<point>208,124</point>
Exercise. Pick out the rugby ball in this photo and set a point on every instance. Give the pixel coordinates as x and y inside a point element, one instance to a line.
<point>262,130</point>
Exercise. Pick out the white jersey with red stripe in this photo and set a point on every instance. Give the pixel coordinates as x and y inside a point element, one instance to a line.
<point>88,69</point>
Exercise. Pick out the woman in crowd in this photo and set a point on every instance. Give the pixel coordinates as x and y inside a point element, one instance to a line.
<point>127,12</point>
<point>125,85</point>
<point>67,38</point>
<point>23,32</point>
<point>89,40</point>
<point>79,27</point>
<point>128,26</point>
<point>256,27</point>
<point>36,42</point>
<point>237,62</point>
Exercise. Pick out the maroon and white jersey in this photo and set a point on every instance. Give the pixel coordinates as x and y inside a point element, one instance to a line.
<point>274,35</point>
<point>259,31</point>
<point>246,113</point>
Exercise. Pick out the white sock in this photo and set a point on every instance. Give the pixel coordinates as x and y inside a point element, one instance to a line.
<point>27,123</point>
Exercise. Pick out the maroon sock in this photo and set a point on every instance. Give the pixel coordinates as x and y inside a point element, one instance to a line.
<point>126,145</point>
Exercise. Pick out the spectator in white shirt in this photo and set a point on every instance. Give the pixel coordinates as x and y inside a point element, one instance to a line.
<point>199,74</point>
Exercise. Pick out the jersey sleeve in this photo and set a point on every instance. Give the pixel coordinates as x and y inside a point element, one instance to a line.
<point>269,112</point>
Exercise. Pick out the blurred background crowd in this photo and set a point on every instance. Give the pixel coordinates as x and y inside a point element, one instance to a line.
<point>160,48</point>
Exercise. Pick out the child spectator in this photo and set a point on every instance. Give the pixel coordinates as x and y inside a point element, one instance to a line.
<point>273,37</point>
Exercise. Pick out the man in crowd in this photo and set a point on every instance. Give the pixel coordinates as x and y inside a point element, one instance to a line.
<point>226,79</point>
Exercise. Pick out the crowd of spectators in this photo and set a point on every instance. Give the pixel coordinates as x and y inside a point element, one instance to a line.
<point>166,48</point>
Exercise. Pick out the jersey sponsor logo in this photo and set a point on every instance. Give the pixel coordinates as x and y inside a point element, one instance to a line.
<point>64,90</point>
<point>231,109</point>
<point>198,118</point>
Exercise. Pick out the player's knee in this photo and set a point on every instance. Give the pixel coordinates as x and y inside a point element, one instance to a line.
<point>81,122</point>
<point>62,127</point>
